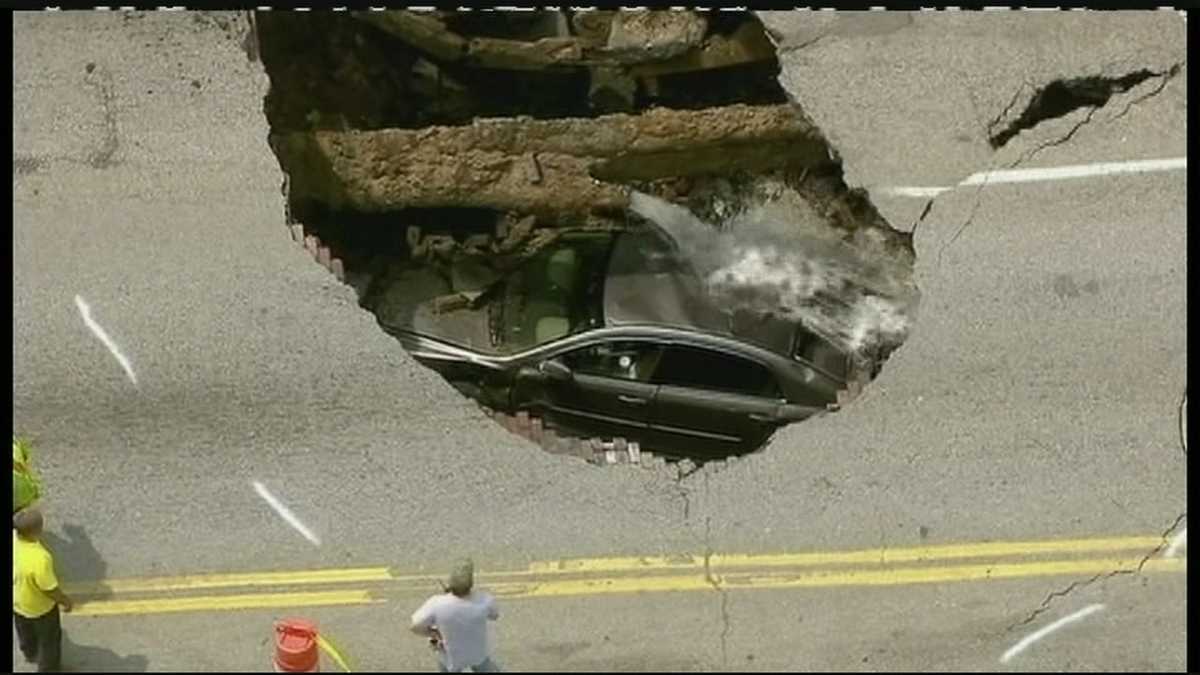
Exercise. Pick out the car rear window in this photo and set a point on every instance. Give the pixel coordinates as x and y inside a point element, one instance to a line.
<point>716,371</point>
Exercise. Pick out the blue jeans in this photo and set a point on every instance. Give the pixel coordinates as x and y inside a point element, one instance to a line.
<point>485,666</point>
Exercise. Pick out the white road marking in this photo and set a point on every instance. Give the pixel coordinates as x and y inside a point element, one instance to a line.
<point>1033,637</point>
<point>286,513</point>
<point>916,191</point>
<point>86,312</point>
<point>1048,174</point>
<point>1180,541</point>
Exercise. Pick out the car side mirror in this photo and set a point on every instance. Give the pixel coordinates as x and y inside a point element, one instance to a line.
<point>555,370</point>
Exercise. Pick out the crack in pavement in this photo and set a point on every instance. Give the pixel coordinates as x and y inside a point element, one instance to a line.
<point>681,472</point>
<point>1103,575</point>
<point>716,584</point>
<point>989,131</point>
<point>987,177</point>
<point>1183,424</point>
<point>1059,141</point>
<point>912,230</point>
<point>1164,78</point>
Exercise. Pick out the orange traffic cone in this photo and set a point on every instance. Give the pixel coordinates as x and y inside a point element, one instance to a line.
<point>296,647</point>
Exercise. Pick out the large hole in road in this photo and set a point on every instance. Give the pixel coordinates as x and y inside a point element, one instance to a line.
<point>610,229</point>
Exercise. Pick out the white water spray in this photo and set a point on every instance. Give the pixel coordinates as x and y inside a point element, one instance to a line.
<point>769,259</point>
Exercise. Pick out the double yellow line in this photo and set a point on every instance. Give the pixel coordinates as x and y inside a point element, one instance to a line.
<point>636,574</point>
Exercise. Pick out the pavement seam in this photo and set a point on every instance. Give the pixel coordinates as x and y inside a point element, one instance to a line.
<point>716,584</point>
<point>1106,575</point>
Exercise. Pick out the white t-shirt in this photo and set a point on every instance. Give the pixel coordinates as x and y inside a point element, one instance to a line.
<point>463,625</point>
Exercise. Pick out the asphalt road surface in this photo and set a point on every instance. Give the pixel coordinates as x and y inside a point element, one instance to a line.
<point>1036,401</point>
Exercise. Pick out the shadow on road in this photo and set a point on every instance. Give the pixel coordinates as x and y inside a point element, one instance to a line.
<point>84,659</point>
<point>75,556</point>
<point>77,560</point>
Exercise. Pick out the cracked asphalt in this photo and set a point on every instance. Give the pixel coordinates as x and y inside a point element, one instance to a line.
<point>1038,397</point>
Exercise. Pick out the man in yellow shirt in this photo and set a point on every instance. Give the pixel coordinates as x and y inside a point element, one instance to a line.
<point>36,595</point>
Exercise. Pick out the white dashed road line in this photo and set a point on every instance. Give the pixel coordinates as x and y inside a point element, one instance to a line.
<point>286,513</point>
<point>1033,637</point>
<point>85,311</point>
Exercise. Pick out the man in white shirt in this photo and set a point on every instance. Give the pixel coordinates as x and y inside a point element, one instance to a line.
<point>456,622</point>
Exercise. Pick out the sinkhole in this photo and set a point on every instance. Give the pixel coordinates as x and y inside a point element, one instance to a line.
<point>611,229</point>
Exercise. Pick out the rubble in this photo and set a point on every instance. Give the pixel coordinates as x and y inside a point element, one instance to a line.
<point>604,38</point>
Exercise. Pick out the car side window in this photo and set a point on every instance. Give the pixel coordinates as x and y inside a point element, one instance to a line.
<point>624,360</point>
<point>707,369</point>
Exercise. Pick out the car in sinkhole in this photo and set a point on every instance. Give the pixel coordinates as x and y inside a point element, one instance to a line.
<point>609,334</point>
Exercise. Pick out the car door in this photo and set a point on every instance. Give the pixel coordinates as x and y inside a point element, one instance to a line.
<point>712,402</point>
<point>608,392</point>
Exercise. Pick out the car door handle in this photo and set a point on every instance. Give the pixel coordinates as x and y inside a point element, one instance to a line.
<point>632,400</point>
<point>760,417</point>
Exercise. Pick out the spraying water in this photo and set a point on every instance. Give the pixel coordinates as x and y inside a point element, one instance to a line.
<point>778,257</point>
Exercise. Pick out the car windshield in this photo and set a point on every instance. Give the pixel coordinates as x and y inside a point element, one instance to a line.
<point>554,294</point>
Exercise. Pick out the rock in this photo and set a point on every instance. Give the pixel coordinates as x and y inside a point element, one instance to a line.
<point>471,275</point>
<point>656,34</point>
<point>518,232</point>
<point>440,245</point>
<point>593,26</point>
<point>478,242</point>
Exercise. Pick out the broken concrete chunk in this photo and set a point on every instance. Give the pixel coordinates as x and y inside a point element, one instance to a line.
<point>517,55</point>
<point>440,245</point>
<point>468,276</point>
<point>592,26</point>
<point>518,232</point>
<point>747,44</point>
<point>478,242</point>
<point>655,34</point>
